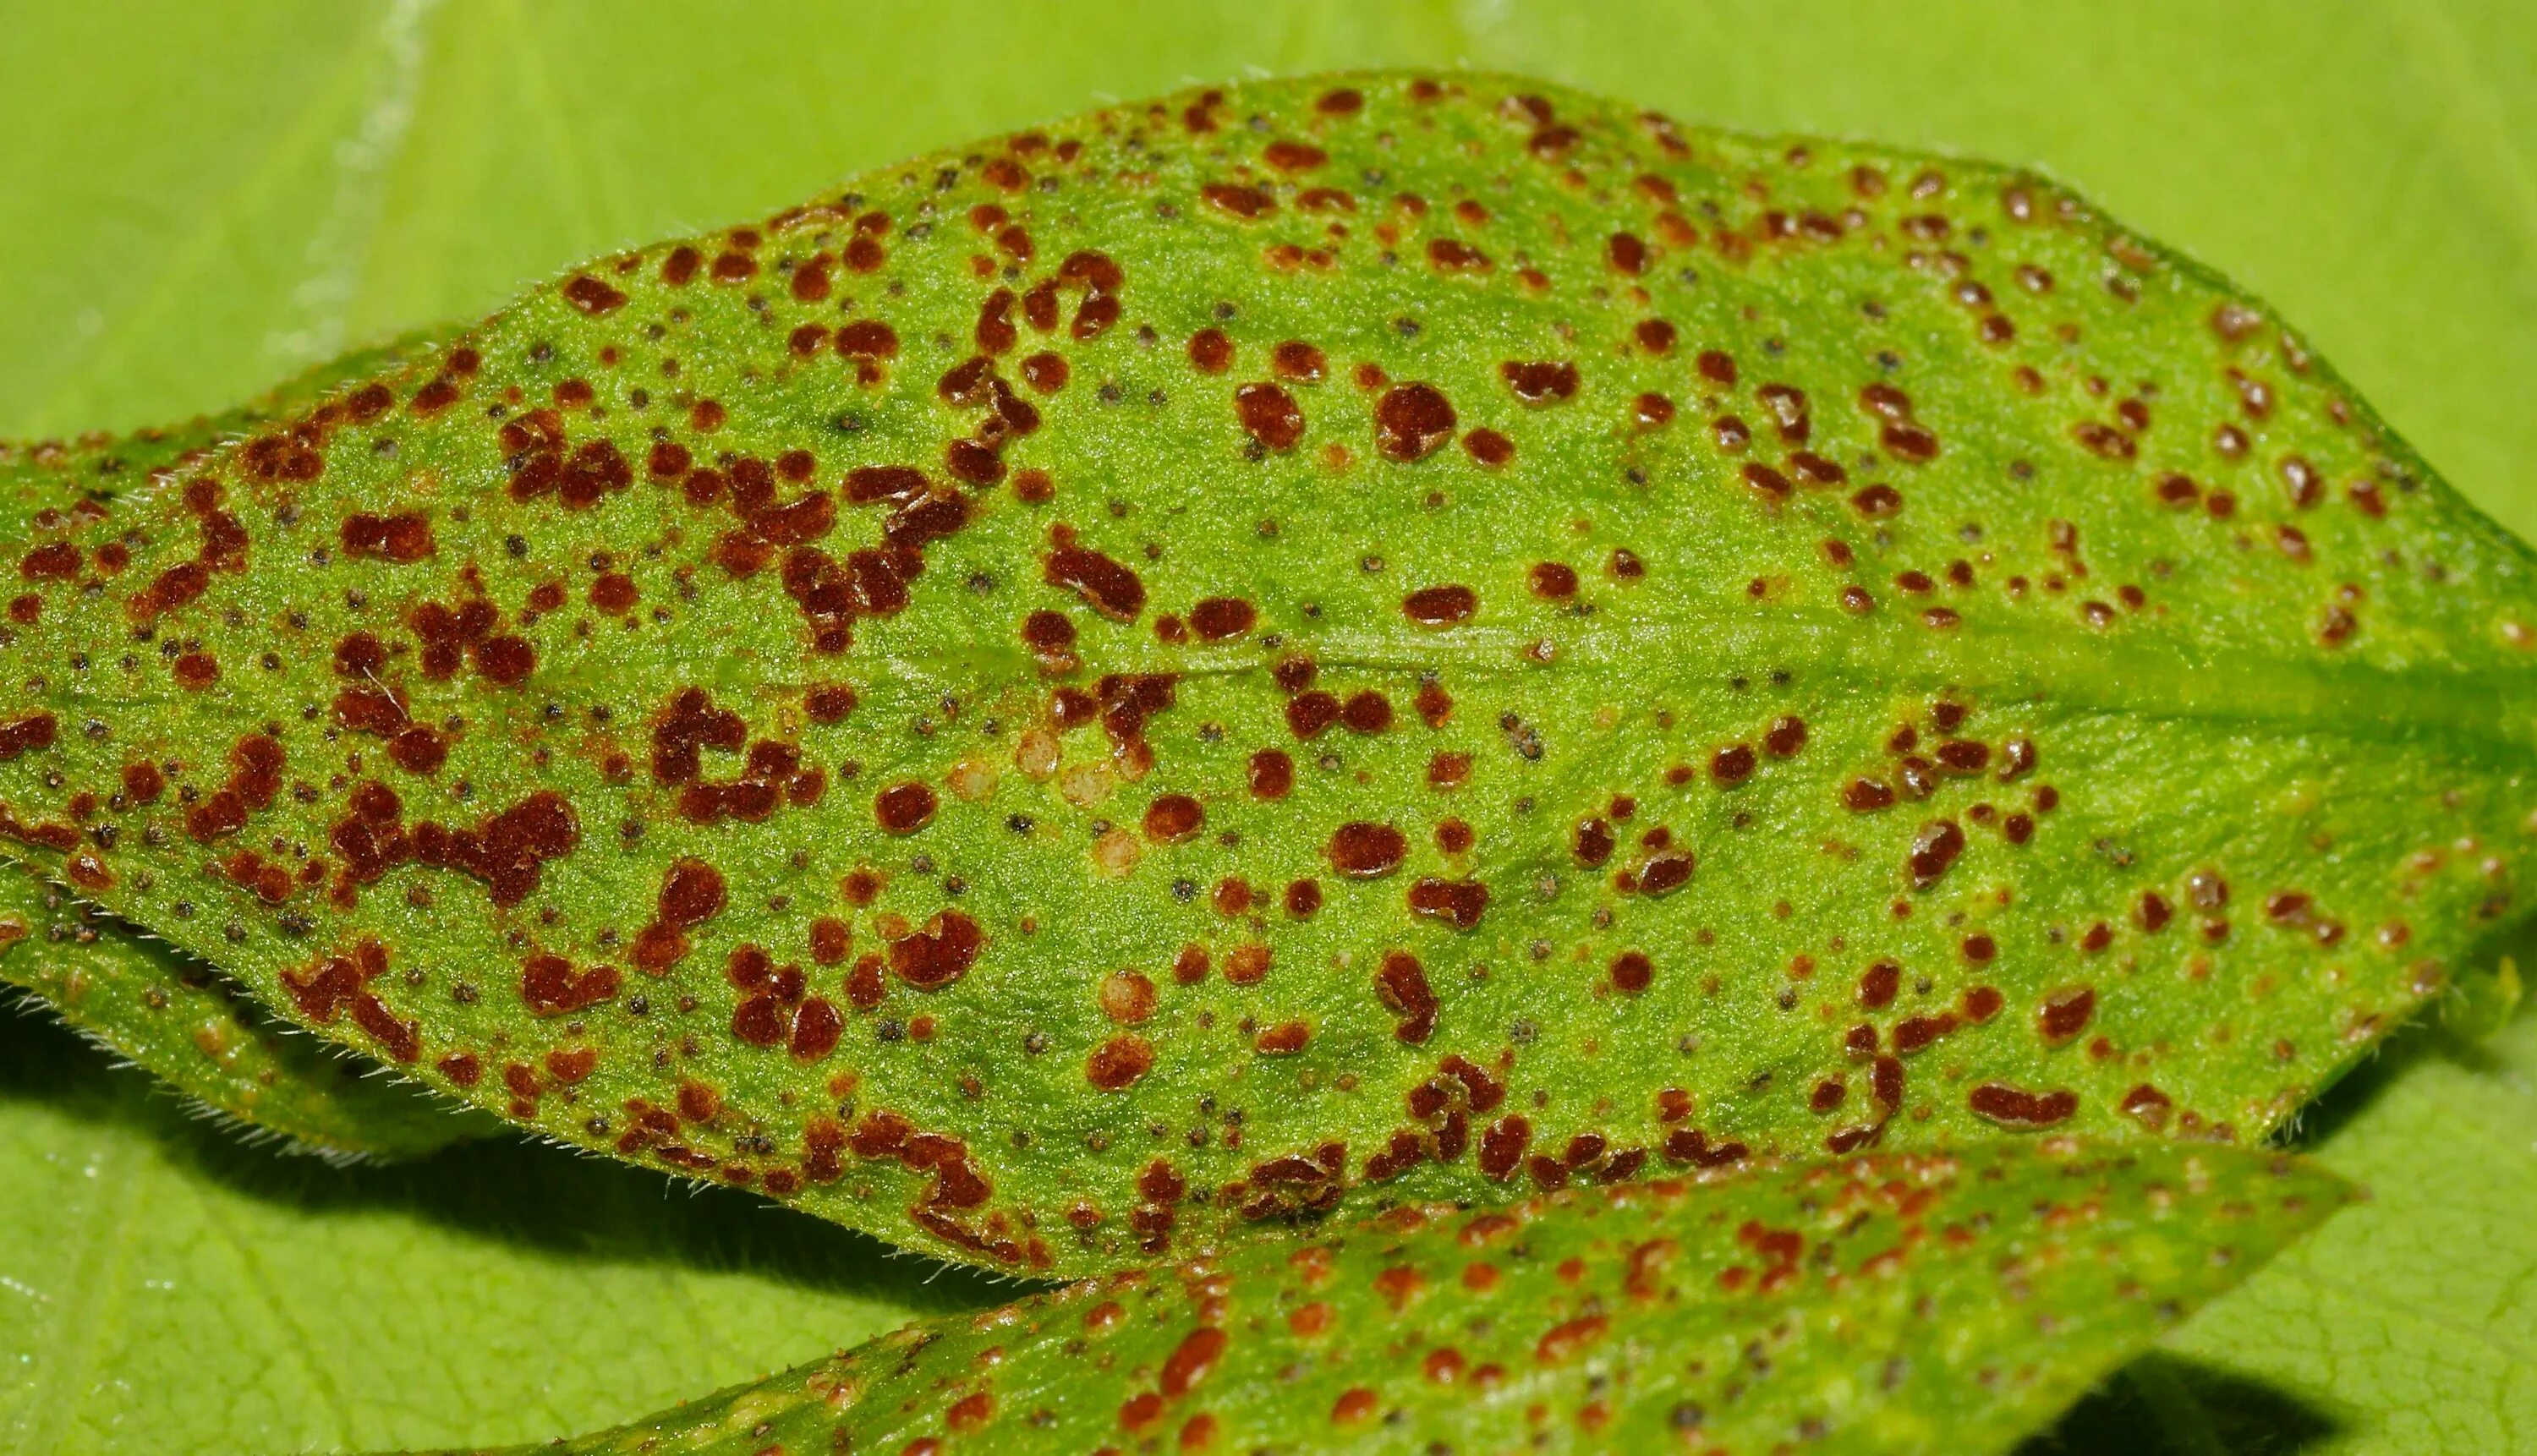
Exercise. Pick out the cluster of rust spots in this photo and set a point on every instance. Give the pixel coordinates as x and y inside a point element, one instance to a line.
<point>776,1008</point>
<point>469,634</point>
<point>222,550</point>
<point>255,777</point>
<point>691,893</point>
<point>782,513</point>
<point>957,1188</point>
<point>506,851</point>
<point>369,704</point>
<point>336,982</point>
<point>544,461</point>
<point>1918,770</point>
<point>771,775</point>
<point>1442,1111</point>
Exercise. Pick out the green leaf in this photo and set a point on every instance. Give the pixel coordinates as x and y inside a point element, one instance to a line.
<point>1887,1304</point>
<point>164,1289</point>
<point>2368,175</point>
<point>1640,646</point>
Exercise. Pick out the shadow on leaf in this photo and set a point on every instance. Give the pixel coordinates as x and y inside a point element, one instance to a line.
<point>2168,1405</point>
<point>504,1189</point>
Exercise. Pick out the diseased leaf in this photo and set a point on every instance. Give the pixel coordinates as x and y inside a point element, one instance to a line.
<point>167,1012</point>
<point>1894,1302</point>
<point>1168,672</point>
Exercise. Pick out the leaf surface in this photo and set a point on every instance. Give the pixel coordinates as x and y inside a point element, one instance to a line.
<point>1888,1304</point>
<point>1131,683</point>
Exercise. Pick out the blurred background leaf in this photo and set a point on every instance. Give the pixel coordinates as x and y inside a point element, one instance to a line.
<point>196,199</point>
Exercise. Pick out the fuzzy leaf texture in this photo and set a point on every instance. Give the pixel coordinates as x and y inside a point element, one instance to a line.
<point>1896,1303</point>
<point>1169,673</point>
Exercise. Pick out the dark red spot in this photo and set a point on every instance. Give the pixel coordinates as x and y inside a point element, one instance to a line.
<point>939,954</point>
<point>1787,736</point>
<point>1367,851</point>
<point>592,296</point>
<point>196,671</point>
<point>1272,774</point>
<point>1300,362</point>
<point>1190,1361</point>
<point>1270,415</point>
<point>1459,903</point>
<point>1113,590</point>
<point>2012,1106</point>
<point>1665,872</point>
<point>405,537</point>
<point>613,591</point>
<point>1173,818</point>
<point>1440,606</point>
<point>505,660</point>
<point>1631,972</point>
<point>1210,351</point>
<point>1879,984</point>
<point>551,987</point>
<point>1367,711</point>
<point>2066,1014</point>
<point>1411,421</point>
<point>142,782</point>
<point>1216,619</point>
<point>817,1026</point>
<point>691,894</point>
<point>1552,580</point>
<point>1308,714</point>
<point>2148,1105</point>
<point>1540,381</point>
<point>1933,850</point>
<point>1502,1147</point>
<point>1116,1064</point>
<point>867,339</point>
<point>1594,841</point>
<point>1400,983</point>
<point>904,809</point>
